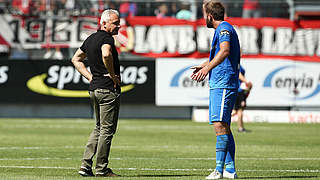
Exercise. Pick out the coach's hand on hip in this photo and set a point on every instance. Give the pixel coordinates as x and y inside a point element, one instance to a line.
<point>116,80</point>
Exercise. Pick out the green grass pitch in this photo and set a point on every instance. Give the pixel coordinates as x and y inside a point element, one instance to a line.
<point>37,149</point>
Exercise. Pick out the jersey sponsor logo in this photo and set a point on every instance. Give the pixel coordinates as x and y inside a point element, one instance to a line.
<point>224,32</point>
<point>296,82</point>
<point>4,74</point>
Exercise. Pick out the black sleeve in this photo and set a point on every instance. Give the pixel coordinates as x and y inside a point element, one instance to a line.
<point>108,40</point>
<point>83,46</point>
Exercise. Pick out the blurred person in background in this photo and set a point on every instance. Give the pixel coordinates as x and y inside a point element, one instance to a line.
<point>53,54</point>
<point>162,11</point>
<point>243,93</point>
<point>223,69</point>
<point>4,6</point>
<point>184,12</point>
<point>106,4</point>
<point>21,7</point>
<point>104,90</point>
<point>251,9</point>
<point>83,7</point>
<point>47,7</point>
<point>128,9</point>
<point>69,6</point>
<point>59,7</point>
<point>39,9</point>
<point>173,9</point>
<point>94,9</point>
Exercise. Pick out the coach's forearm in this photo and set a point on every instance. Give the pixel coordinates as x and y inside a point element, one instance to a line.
<point>108,62</point>
<point>107,58</point>
<point>82,69</point>
<point>77,61</point>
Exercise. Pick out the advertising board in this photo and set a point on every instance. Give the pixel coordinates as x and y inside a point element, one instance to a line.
<point>37,81</point>
<point>174,86</point>
<point>276,82</point>
<point>279,82</point>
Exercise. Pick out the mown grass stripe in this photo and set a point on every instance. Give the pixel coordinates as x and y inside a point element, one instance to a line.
<point>161,158</point>
<point>153,169</point>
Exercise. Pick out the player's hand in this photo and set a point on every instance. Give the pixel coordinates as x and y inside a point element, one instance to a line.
<point>249,85</point>
<point>116,80</point>
<point>248,89</point>
<point>201,73</point>
<point>195,69</point>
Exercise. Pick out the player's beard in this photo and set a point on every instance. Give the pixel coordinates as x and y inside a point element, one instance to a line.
<point>209,23</point>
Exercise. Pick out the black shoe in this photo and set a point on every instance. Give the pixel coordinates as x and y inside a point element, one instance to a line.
<point>85,172</point>
<point>242,130</point>
<point>109,173</point>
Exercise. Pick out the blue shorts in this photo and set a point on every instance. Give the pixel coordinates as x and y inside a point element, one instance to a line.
<point>221,102</point>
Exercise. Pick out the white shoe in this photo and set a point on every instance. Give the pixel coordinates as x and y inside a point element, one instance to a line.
<point>228,175</point>
<point>58,55</point>
<point>214,175</point>
<point>47,55</point>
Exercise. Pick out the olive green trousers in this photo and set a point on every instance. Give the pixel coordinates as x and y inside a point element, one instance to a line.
<point>106,104</point>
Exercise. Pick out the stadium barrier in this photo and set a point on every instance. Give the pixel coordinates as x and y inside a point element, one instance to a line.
<point>267,116</point>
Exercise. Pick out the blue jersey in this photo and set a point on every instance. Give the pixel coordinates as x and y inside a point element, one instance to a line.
<point>243,72</point>
<point>226,74</point>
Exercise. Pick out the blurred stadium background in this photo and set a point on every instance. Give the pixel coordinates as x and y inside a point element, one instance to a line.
<point>159,40</point>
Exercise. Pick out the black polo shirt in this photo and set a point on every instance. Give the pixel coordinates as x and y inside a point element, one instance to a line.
<point>92,47</point>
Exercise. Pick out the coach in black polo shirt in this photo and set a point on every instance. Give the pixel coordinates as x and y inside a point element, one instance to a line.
<point>104,90</point>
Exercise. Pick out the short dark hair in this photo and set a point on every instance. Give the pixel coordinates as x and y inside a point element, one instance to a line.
<point>216,9</point>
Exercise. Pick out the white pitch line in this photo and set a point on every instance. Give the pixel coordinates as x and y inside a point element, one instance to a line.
<point>32,159</point>
<point>154,169</point>
<point>21,148</point>
<point>161,158</point>
<point>36,167</point>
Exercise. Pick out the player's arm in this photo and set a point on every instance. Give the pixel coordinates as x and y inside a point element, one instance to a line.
<point>77,61</point>
<point>242,78</point>
<point>198,68</point>
<point>219,58</point>
<point>107,58</point>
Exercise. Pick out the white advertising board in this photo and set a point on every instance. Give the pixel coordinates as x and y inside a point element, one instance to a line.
<point>276,82</point>
<point>283,82</point>
<point>202,115</point>
<point>174,87</point>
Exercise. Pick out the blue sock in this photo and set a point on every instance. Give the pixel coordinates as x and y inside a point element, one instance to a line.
<point>221,151</point>
<point>230,155</point>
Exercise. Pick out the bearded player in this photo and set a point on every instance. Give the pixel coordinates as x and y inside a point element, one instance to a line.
<point>223,69</point>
